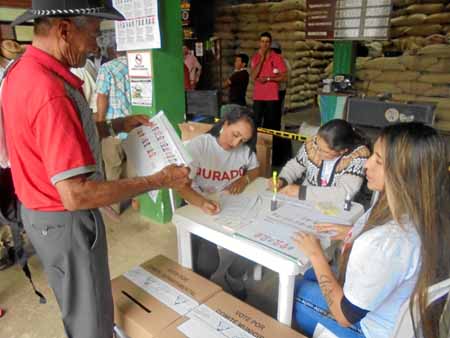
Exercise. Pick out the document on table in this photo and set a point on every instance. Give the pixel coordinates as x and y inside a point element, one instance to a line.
<point>162,291</point>
<point>237,210</point>
<point>276,229</point>
<point>205,322</point>
<point>151,149</point>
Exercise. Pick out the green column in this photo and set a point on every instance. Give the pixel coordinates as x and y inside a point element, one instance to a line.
<point>168,92</point>
<point>344,58</point>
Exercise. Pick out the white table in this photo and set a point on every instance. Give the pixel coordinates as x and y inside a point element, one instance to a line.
<point>191,220</point>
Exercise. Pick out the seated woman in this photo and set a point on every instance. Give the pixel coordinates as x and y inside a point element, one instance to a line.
<point>223,160</point>
<point>399,251</point>
<point>331,164</point>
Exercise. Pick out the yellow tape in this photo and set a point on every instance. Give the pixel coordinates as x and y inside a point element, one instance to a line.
<point>278,133</point>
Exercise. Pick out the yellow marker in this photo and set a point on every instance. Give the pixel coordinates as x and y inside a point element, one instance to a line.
<point>273,202</point>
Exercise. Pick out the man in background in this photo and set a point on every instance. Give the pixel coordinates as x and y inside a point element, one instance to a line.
<point>114,101</point>
<point>267,71</point>
<point>238,81</point>
<point>194,67</point>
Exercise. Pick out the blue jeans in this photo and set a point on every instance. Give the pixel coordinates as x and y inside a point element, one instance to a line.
<point>311,308</point>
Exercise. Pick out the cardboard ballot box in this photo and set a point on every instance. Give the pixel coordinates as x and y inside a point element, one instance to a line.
<point>223,312</point>
<point>190,130</point>
<point>150,297</point>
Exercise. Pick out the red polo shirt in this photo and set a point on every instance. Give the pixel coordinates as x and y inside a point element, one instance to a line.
<point>44,133</point>
<point>273,65</point>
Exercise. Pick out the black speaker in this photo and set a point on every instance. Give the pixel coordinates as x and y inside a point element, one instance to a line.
<point>372,112</point>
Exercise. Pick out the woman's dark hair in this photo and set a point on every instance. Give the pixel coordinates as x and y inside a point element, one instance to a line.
<point>234,114</point>
<point>340,135</point>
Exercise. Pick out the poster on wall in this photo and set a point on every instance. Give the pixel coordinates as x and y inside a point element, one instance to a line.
<point>141,78</point>
<point>141,92</point>
<point>140,30</point>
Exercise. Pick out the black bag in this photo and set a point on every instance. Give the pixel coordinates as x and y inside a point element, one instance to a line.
<point>10,216</point>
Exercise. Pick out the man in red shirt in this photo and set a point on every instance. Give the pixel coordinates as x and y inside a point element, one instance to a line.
<point>55,161</point>
<point>267,71</point>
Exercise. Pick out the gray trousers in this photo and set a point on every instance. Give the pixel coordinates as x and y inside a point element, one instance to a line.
<point>72,248</point>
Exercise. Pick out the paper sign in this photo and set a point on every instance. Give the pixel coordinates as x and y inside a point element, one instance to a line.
<point>162,291</point>
<point>140,64</point>
<point>141,92</point>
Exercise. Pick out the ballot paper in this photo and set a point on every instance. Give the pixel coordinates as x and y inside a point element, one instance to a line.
<point>204,322</point>
<point>276,229</point>
<point>150,149</point>
<point>162,291</point>
<point>238,210</point>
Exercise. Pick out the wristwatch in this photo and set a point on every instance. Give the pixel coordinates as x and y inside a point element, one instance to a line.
<point>268,79</point>
<point>110,128</point>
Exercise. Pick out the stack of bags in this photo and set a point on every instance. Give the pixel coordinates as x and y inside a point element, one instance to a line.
<point>415,24</point>
<point>422,77</point>
<point>285,20</point>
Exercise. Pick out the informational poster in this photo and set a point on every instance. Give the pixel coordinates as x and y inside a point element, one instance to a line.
<point>141,92</point>
<point>348,19</point>
<point>141,78</point>
<point>141,29</point>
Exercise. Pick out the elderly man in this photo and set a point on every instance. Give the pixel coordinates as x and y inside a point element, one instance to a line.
<point>54,154</point>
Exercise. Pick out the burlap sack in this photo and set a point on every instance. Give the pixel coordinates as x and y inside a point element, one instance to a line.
<point>298,71</point>
<point>384,87</point>
<point>296,89</point>
<point>322,54</point>
<point>313,44</point>
<point>402,3</point>
<point>425,8</point>
<point>287,5</point>
<point>395,76</point>
<point>248,36</point>
<point>423,30</point>
<point>288,26</point>
<point>302,54</point>
<point>396,32</point>
<point>442,125</point>
<point>404,98</point>
<point>441,103</point>
<point>442,114</point>
<point>225,35</point>
<point>319,63</point>
<point>409,43</point>
<point>293,15</point>
<point>442,50</point>
<point>368,74</point>
<point>226,19</point>
<point>291,36</point>
<point>418,63</point>
<point>247,18</point>
<point>414,87</point>
<point>299,80</point>
<point>438,91</point>
<point>313,78</point>
<point>384,63</point>
<point>301,63</point>
<point>435,78</point>
<point>442,66</point>
<point>439,18</point>
<point>409,20</point>
<point>316,71</point>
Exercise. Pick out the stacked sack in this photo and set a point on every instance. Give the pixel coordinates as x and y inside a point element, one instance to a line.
<point>225,30</point>
<point>422,77</point>
<point>285,20</point>
<point>415,24</point>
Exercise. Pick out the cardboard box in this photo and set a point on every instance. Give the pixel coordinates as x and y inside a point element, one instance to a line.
<point>242,315</point>
<point>190,130</point>
<point>141,315</point>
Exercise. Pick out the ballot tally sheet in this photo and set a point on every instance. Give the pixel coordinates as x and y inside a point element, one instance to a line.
<point>276,229</point>
<point>150,149</point>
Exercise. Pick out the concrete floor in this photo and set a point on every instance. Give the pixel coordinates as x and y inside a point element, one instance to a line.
<point>131,242</point>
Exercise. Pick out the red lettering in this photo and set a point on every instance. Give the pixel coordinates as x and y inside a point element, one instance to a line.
<point>234,173</point>
<point>199,171</point>
<point>216,176</point>
<point>225,176</point>
<point>204,173</point>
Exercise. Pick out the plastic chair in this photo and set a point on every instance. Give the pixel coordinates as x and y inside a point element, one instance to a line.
<point>404,325</point>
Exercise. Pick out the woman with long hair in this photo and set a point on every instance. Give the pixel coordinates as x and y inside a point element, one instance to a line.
<point>224,160</point>
<point>400,250</point>
<point>331,164</point>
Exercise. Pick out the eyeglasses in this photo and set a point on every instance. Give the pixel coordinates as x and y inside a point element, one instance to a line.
<point>326,152</point>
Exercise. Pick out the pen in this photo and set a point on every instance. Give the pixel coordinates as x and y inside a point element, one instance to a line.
<point>273,202</point>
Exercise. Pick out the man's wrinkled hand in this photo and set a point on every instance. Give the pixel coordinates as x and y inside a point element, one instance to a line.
<point>175,177</point>
<point>133,121</point>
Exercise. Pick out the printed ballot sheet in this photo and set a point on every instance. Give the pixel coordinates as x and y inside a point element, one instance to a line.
<point>204,322</point>
<point>151,149</point>
<point>276,229</point>
<point>237,210</point>
<point>162,291</point>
